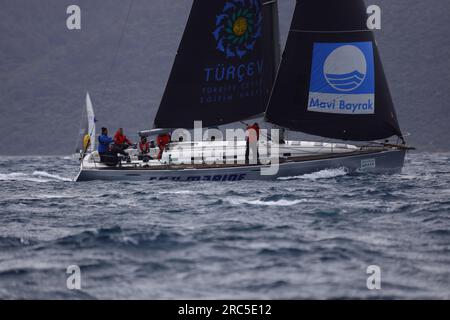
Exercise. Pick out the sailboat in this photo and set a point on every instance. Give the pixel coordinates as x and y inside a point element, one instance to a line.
<point>329,82</point>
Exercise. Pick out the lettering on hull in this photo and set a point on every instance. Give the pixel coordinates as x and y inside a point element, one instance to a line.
<point>215,178</point>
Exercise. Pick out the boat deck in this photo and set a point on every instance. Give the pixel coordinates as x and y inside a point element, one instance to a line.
<point>140,165</point>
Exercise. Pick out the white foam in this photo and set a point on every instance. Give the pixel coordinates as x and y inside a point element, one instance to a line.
<point>53,197</point>
<point>258,202</point>
<point>177,192</point>
<point>13,175</point>
<point>37,176</point>
<point>51,176</point>
<point>322,174</point>
<point>18,176</point>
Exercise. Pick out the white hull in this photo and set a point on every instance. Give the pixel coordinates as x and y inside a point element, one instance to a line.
<point>299,161</point>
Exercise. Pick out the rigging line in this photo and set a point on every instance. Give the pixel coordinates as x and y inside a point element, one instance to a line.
<point>261,133</point>
<point>80,139</point>
<point>116,54</point>
<point>113,63</point>
<point>270,2</point>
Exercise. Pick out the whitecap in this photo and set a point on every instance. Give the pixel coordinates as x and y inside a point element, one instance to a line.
<point>177,192</point>
<point>37,176</point>
<point>11,176</point>
<point>258,202</point>
<point>19,176</point>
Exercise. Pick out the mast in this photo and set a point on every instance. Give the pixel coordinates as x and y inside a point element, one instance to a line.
<point>331,81</point>
<point>223,71</point>
<point>271,43</point>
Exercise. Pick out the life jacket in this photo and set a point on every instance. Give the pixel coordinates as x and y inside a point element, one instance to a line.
<point>121,139</point>
<point>163,140</point>
<point>253,133</point>
<point>144,147</point>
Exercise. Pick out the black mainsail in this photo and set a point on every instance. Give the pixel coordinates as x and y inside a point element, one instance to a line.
<point>331,82</point>
<point>225,66</point>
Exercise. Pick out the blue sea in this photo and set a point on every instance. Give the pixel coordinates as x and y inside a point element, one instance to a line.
<point>312,236</point>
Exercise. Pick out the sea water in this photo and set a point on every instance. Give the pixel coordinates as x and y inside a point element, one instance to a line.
<point>311,236</point>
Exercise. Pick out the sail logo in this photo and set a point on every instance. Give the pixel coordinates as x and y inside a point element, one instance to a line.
<point>342,78</point>
<point>345,68</point>
<point>238,27</point>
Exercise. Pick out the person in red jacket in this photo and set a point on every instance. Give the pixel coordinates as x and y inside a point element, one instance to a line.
<point>121,143</point>
<point>121,139</point>
<point>252,142</point>
<point>162,141</point>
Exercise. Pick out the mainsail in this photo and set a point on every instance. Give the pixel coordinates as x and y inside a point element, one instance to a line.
<point>331,82</point>
<point>225,66</point>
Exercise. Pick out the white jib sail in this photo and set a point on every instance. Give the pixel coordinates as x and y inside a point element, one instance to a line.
<point>91,122</point>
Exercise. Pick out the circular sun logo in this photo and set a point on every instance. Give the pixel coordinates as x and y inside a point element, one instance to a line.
<point>238,27</point>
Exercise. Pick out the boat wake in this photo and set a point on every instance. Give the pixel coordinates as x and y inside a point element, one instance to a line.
<point>36,176</point>
<point>322,174</point>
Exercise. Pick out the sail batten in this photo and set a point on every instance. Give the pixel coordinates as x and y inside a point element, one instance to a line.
<point>331,81</point>
<point>224,68</point>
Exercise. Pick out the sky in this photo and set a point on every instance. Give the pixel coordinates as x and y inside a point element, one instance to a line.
<point>46,69</point>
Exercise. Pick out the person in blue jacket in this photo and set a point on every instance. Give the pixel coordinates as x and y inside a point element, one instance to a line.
<point>104,149</point>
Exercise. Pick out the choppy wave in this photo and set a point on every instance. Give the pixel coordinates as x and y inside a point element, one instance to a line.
<point>36,176</point>
<point>152,238</point>
<point>263,202</point>
<point>322,174</point>
<point>305,237</point>
<point>176,192</point>
<point>12,242</point>
<point>50,176</point>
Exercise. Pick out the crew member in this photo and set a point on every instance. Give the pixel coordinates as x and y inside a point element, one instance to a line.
<point>121,142</point>
<point>252,143</point>
<point>162,141</point>
<point>144,150</point>
<point>282,136</point>
<point>104,149</point>
<point>144,146</point>
<point>86,142</point>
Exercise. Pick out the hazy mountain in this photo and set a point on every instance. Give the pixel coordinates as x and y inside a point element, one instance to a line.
<point>45,69</point>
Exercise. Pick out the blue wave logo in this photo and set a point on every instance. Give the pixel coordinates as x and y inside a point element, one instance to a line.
<point>344,82</point>
<point>345,68</point>
<point>238,27</point>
